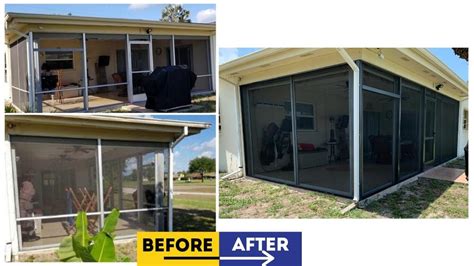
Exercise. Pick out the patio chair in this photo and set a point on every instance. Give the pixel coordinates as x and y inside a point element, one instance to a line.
<point>87,203</point>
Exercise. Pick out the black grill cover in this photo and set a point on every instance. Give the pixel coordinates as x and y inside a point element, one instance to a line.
<point>169,87</point>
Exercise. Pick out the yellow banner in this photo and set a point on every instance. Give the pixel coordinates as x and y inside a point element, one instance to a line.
<point>178,248</point>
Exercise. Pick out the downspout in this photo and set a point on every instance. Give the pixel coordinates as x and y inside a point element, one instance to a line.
<point>170,177</point>
<point>355,121</point>
<point>239,126</point>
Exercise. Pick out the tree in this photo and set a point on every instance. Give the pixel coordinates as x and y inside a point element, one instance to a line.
<point>175,13</point>
<point>202,164</point>
<point>462,52</point>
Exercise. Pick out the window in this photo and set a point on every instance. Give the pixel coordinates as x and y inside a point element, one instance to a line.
<point>305,118</point>
<point>465,122</point>
<point>59,60</point>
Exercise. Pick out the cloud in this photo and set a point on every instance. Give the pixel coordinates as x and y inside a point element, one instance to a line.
<point>176,154</point>
<point>211,144</point>
<point>207,154</point>
<point>206,16</point>
<point>138,6</point>
<point>228,54</point>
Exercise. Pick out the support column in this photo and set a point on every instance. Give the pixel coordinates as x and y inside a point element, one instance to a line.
<point>355,110</point>
<point>84,73</point>
<point>159,190</point>
<point>170,188</point>
<point>173,54</point>
<point>101,182</point>
<point>31,71</point>
<point>38,104</point>
<point>140,186</point>
<point>129,71</point>
<point>212,41</point>
<point>150,52</point>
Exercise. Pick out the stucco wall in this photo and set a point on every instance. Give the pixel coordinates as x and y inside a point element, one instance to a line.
<point>462,133</point>
<point>230,138</point>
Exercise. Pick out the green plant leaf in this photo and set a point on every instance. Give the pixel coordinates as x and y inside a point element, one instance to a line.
<point>82,252</point>
<point>110,223</point>
<point>103,249</point>
<point>82,234</point>
<point>66,251</point>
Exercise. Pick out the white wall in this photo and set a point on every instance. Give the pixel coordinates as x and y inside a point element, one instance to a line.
<point>462,133</point>
<point>230,138</point>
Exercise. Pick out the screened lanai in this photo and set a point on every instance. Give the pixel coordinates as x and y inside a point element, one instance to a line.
<point>86,65</point>
<point>60,165</point>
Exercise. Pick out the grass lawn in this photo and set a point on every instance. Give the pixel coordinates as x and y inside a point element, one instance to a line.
<point>195,212</point>
<point>425,198</point>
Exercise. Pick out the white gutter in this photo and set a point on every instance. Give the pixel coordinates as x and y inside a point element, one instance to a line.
<point>355,121</point>
<point>170,177</point>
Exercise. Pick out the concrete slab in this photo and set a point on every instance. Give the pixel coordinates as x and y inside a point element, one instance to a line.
<point>447,174</point>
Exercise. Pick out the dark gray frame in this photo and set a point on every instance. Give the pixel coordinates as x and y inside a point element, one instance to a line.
<point>290,80</point>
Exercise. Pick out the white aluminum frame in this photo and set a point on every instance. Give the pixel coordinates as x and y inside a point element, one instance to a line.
<point>13,199</point>
<point>35,102</point>
<point>137,97</point>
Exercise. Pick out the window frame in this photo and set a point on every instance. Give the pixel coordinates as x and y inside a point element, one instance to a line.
<point>313,116</point>
<point>48,61</point>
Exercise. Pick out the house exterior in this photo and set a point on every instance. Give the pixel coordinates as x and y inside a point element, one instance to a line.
<point>57,165</point>
<point>73,64</point>
<point>366,119</point>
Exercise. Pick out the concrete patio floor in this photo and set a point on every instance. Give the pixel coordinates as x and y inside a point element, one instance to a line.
<point>446,174</point>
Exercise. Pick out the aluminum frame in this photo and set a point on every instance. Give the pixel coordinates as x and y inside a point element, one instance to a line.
<point>101,213</point>
<point>35,99</point>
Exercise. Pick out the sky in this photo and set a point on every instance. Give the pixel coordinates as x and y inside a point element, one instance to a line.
<point>200,13</point>
<point>202,144</point>
<point>446,55</point>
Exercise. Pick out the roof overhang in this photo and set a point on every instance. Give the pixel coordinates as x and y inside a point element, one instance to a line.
<point>415,64</point>
<point>23,22</point>
<point>100,126</point>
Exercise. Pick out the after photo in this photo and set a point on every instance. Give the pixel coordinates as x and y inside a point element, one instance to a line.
<point>343,133</point>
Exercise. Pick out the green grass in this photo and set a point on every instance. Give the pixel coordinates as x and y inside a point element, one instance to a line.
<point>425,198</point>
<point>202,203</point>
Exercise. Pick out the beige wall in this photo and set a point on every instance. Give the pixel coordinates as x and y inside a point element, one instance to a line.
<point>96,48</point>
<point>230,138</point>
<point>68,75</point>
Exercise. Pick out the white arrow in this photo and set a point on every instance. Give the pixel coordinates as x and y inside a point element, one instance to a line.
<point>267,258</point>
